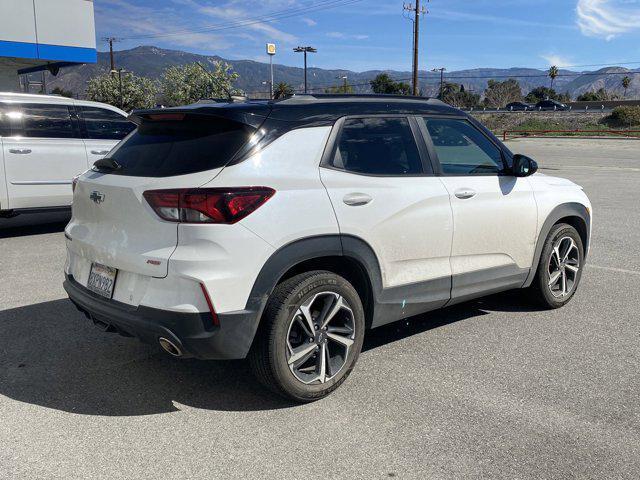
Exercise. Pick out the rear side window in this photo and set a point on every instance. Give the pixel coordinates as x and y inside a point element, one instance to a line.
<point>378,146</point>
<point>44,121</point>
<point>170,148</point>
<point>103,124</point>
<point>462,149</point>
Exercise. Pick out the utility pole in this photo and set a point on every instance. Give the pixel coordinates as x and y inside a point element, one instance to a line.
<point>110,40</point>
<point>305,50</point>
<point>441,70</point>
<point>417,11</point>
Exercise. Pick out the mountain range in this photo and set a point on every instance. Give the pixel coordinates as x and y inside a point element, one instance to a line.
<point>149,61</point>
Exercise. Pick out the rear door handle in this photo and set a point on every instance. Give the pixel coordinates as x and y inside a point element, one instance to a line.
<point>356,199</point>
<point>99,152</point>
<point>464,193</point>
<point>20,151</point>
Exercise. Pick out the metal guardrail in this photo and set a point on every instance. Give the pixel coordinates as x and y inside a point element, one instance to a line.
<point>594,133</point>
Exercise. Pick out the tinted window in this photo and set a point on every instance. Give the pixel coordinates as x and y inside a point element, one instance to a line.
<point>379,146</point>
<point>46,121</point>
<point>105,124</point>
<point>462,149</point>
<point>169,148</point>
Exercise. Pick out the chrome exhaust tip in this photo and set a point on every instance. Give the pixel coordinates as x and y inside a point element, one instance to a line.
<point>170,347</point>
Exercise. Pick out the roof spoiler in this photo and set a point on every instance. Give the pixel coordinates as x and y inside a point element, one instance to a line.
<point>252,117</point>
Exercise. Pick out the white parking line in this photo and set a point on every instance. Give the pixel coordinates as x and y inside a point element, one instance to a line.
<point>612,269</point>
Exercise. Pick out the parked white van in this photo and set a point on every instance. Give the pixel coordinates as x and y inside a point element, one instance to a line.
<point>46,140</point>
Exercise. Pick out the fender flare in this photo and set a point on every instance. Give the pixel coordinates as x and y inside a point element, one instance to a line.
<point>310,248</point>
<point>561,211</point>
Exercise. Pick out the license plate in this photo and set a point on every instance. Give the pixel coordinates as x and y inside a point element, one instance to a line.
<point>102,279</point>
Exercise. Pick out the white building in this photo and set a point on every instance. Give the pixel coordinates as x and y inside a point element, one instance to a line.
<point>44,34</point>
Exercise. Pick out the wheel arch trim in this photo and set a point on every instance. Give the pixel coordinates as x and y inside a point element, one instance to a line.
<point>310,248</point>
<point>565,210</point>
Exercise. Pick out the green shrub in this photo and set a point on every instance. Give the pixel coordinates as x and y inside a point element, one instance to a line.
<point>626,115</point>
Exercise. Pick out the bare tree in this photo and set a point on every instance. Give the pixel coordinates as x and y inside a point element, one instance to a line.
<point>499,94</point>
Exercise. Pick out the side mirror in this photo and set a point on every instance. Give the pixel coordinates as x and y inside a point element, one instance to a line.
<point>524,166</point>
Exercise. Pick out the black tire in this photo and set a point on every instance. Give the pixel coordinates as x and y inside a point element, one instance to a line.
<point>271,351</point>
<point>540,291</point>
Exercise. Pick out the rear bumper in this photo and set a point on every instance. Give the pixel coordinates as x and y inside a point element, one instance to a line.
<point>193,333</point>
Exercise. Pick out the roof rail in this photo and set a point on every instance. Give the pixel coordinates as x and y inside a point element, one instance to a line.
<point>299,98</point>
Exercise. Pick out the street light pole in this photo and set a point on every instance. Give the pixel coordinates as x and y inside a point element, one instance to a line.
<point>305,50</point>
<point>271,51</point>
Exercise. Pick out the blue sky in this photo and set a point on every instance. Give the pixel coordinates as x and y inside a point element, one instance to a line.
<point>367,34</point>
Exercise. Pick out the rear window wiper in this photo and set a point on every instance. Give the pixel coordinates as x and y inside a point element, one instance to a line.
<point>106,164</point>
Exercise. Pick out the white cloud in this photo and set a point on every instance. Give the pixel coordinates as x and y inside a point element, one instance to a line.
<point>346,36</point>
<point>310,22</point>
<point>234,13</point>
<point>557,60</point>
<point>608,18</point>
<point>134,20</point>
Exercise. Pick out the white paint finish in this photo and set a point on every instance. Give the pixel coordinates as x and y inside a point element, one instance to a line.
<point>42,178</point>
<point>553,191</point>
<point>97,149</point>
<point>123,231</point>
<point>65,22</point>
<point>17,21</point>
<point>494,228</point>
<point>226,258</point>
<point>408,223</point>
<point>300,208</point>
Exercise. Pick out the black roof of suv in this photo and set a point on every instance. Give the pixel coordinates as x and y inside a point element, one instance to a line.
<point>309,110</point>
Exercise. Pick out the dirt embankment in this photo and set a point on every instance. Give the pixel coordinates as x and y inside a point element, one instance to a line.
<point>499,122</point>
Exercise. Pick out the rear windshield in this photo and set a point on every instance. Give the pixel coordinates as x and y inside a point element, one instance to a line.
<point>170,148</point>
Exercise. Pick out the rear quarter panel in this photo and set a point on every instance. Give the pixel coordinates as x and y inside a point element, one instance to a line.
<point>291,165</point>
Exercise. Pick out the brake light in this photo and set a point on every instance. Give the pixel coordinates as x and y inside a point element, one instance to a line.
<point>207,205</point>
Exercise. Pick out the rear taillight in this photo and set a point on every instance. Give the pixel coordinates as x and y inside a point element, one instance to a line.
<point>207,205</point>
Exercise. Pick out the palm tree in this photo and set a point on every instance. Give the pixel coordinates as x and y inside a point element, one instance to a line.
<point>626,81</point>
<point>282,90</point>
<point>553,73</point>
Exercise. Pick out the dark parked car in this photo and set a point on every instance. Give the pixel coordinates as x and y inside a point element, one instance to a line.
<point>547,105</point>
<point>519,106</point>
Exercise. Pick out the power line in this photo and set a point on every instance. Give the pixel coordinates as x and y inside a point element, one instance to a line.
<point>270,17</point>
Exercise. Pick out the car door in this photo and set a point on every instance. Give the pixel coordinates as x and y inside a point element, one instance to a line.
<point>494,212</point>
<point>103,129</point>
<point>384,192</point>
<point>42,155</point>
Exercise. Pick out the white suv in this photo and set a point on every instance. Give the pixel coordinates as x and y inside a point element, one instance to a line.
<point>45,140</point>
<point>283,230</point>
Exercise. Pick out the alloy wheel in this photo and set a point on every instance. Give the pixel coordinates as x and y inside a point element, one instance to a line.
<point>320,336</point>
<point>563,267</point>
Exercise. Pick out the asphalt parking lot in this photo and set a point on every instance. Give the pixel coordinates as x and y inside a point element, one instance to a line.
<point>488,389</point>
